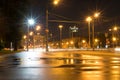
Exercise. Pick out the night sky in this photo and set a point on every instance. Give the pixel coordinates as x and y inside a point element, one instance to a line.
<point>15,13</point>
<point>78,10</point>
<point>75,10</point>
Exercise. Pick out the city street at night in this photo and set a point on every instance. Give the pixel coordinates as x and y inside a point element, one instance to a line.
<point>59,39</point>
<point>60,65</point>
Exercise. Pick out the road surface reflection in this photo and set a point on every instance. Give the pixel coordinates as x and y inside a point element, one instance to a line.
<point>63,66</point>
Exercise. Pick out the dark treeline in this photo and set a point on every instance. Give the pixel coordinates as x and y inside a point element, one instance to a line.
<point>11,15</point>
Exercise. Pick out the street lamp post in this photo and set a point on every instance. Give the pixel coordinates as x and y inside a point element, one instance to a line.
<point>30,22</point>
<point>96,42</point>
<point>60,27</point>
<point>38,28</point>
<point>114,41</point>
<point>93,31</point>
<point>38,36</point>
<point>27,38</point>
<point>89,19</point>
<point>47,30</point>
<point>32,34</point>
<point>25,45</point>
<point>96,15</point>
<point>55,2</point>
<point>114,35</point>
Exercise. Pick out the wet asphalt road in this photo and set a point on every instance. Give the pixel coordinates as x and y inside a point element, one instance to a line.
<point>62,66</point>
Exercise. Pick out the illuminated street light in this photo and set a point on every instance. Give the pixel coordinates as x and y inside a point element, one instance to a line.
<point>60,27</point>
<point>67,43</point>
<point>55,2</point>
<point>96,40</point>
<point>38,28</point>
<point>96,43</point>
<point>89,19</point>
<point>71,42</point>
<point>115,28</point>
<point>47,31</point>
<point>115,34</point>
<point>30,22</point>
<point>24,36</point>
<point>96,15</point>
<point>114,39</point>
<point>83,41</point>
<point>31,33</point>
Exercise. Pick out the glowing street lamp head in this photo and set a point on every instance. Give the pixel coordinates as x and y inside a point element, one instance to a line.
<point>115,28</point>
<point>96,14</point>
<point>60,26</point>
<point>114,39</point>
<point>31,33</point>
<point>96,40</point>
<point>71,42</point>
<point>88,19</point>
<point>38,28</point>
<point>31,21</point>
<point>83,41</point>
<point>24,36</point>
<point>55,2</point>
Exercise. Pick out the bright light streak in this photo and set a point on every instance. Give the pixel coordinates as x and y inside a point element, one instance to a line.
<point>117,49</point>
<point>115,67</point>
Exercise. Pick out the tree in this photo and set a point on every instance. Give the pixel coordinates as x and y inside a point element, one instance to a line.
<point>12,10</point>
